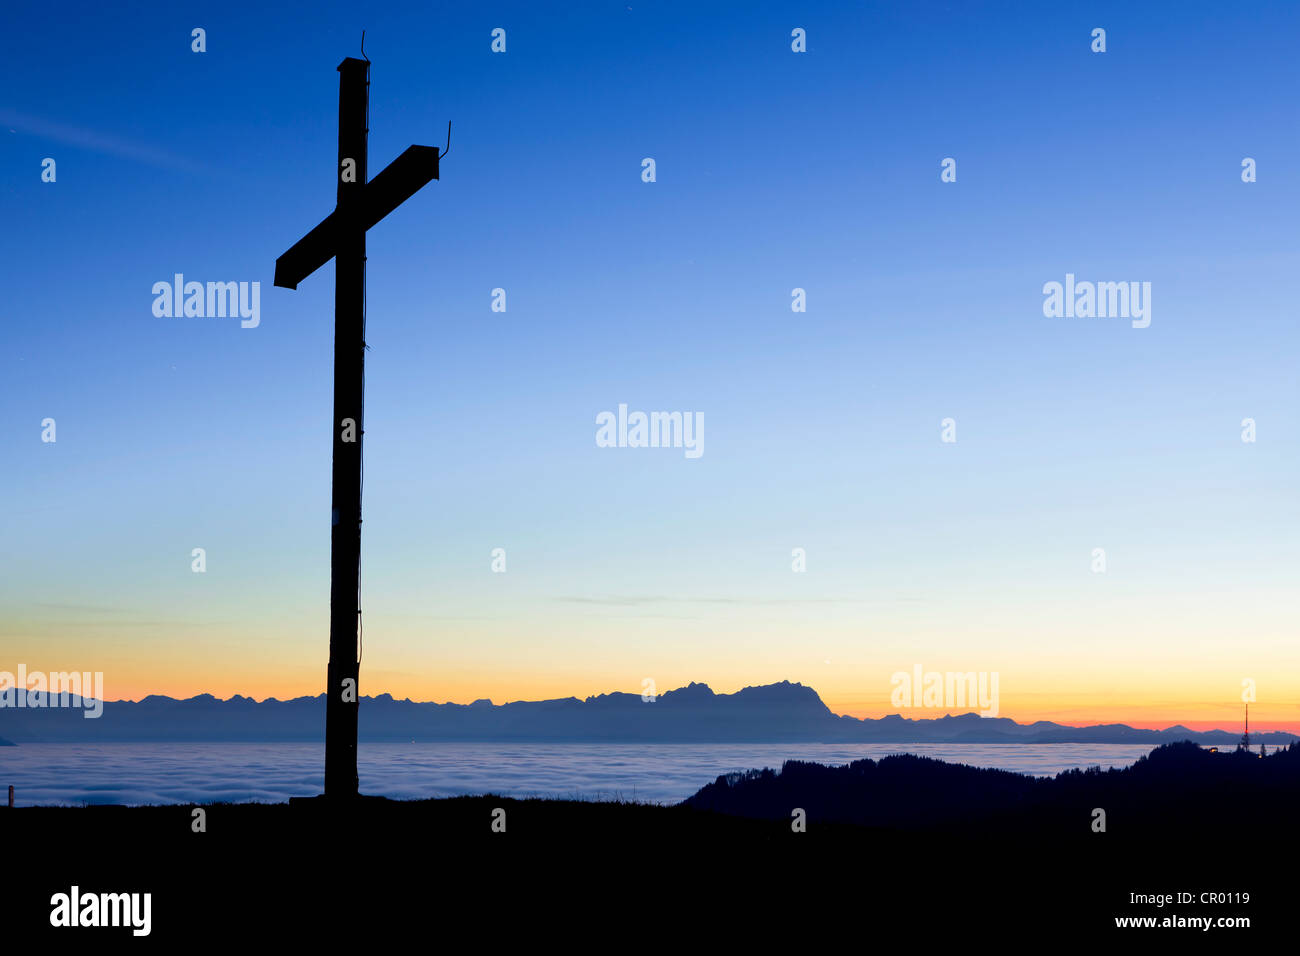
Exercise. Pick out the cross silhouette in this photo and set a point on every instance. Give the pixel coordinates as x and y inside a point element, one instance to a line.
<point>341,236</point>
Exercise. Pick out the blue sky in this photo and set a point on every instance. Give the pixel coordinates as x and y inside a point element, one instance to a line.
<point>775,170</point>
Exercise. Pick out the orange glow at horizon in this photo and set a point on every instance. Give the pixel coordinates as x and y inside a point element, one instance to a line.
<point>577,655</point>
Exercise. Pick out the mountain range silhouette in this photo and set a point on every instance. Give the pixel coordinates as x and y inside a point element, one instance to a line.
<point>770,713</point>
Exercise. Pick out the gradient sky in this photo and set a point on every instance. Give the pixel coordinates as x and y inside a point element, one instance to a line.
<point>822,430</point>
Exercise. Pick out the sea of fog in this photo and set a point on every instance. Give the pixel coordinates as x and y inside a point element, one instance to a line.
<point>136,773</point>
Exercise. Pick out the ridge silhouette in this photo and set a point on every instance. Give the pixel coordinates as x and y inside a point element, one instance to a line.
<point>1167,791</point>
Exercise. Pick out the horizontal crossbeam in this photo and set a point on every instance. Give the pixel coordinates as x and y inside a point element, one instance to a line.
<point>400,180</point>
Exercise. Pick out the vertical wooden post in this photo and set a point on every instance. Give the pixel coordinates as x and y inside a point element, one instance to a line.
<point>341,236</point>
<point>349,377</point>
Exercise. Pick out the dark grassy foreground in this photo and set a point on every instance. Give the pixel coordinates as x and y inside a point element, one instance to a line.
<point>605,875</point>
